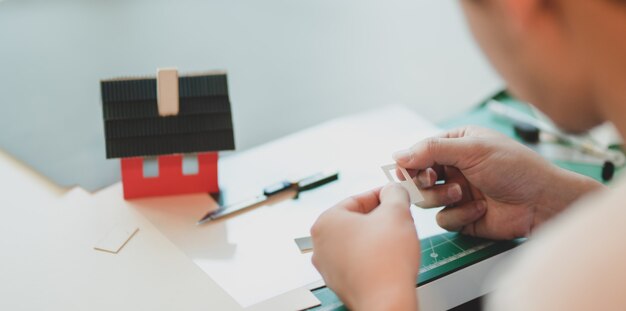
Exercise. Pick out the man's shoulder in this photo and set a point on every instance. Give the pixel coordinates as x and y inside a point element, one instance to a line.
<point>574,262</point>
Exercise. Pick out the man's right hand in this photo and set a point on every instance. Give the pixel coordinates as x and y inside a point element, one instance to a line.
<point>494,187</point>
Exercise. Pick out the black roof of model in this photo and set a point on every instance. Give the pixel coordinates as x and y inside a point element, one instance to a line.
<point>133,126</point>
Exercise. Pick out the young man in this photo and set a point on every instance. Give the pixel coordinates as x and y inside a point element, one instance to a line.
<point>568,57</point>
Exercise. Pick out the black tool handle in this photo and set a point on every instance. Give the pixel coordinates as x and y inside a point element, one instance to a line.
<point>528,133</point>
<point>317,180</point>
<point>278,188</point>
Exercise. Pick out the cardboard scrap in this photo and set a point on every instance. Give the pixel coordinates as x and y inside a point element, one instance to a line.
<point>115,239</point>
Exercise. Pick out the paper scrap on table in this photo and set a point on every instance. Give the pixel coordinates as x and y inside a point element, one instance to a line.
<point>115,239</point>
<point>305,244</point>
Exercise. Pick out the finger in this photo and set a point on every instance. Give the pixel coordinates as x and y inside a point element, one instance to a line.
<point>457,152</point>
<point>426,178</point>
<point>400,175</point>
<point>441,195</point>
<point>454,175</point>
<point>435,173</point>
<point>440,171</point>
<point>422,178</point>
<point>412,173</point>
<point>393,198</point>
<point>361,203</point>
<point>456,218</point>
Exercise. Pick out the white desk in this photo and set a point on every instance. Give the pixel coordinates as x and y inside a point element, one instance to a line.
<point>47,241</point>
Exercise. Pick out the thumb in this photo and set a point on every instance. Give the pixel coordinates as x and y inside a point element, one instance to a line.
<point>393,198</point>
<point>437,150</point>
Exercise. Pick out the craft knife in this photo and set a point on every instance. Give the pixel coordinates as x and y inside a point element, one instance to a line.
<point>305,184</point>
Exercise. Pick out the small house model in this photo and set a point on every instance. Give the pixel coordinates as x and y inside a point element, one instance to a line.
<point>168,122</point>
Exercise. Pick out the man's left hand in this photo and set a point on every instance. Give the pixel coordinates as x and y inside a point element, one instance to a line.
<point>366,249</point>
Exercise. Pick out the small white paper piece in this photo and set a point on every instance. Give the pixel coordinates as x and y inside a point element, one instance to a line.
<point>415,196</point>
<point>115,240</point>
<point>167,91</point>
<point>305,244</point>
<point>297,299</point>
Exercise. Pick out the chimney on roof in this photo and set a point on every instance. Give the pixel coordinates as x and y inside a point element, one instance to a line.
<point>167,91</point>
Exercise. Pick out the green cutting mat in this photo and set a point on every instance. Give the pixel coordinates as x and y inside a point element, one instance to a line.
<point>446,253</point>
<point>481,116</point>
<point>441,255</point>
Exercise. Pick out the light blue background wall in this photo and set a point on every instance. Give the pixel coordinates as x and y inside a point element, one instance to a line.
<point>291,63</point>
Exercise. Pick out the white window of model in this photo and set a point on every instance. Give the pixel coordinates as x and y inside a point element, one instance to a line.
<point>150,167</point>
<point>190,164</point>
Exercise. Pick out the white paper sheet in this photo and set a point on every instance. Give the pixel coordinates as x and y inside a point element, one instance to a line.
<point>252,256</point>
<point>298,299</point>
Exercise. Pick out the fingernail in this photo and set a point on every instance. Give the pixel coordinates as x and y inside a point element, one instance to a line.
<point>424,179</point>
<point>402,155</point>
<point>455,193</point>
<point>481,206</point>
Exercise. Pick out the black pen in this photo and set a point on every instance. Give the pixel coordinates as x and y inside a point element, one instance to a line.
<point>302,185</point>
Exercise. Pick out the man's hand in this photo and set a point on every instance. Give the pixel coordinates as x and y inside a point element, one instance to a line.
<point>366,249</point>
<point>494,187</point>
